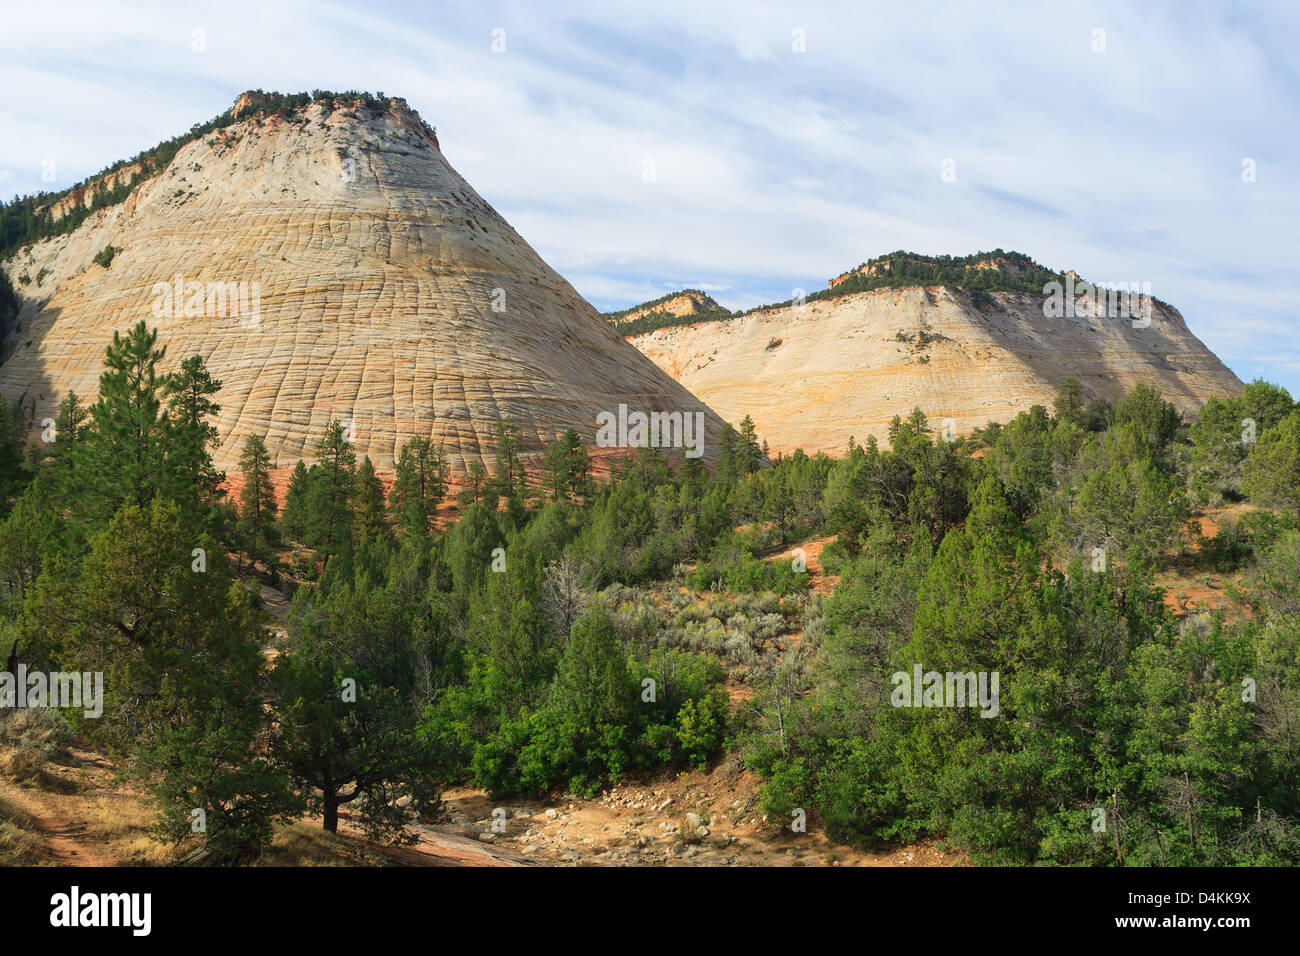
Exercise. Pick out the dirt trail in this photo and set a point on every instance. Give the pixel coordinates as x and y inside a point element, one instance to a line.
<point>811,552</point>
<point>64,836</point>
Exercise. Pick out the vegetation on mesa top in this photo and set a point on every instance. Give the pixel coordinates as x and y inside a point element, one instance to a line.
<point>651,303</point>
<point>978,272</point>
<point>28,219</point>
<point>648,321</point>
<point>996,271</point>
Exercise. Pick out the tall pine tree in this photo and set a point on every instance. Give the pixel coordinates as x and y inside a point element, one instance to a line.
<point>419,486</point>
<point>191,436</point>
<point>371,516</point>
<point>329,501</point>
<point>256,499</point>
<point>125,460</point>
<point>294,519</point>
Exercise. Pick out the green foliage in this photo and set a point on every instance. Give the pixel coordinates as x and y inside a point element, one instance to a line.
<point>330,489</point>
<point>191,437</point>
<point>733,567</point>
<point>257,507</point>
<point>176,638</point>
<point>605,716</point>
<point>566,469</point>
<point>659,319</point>
<point>1069,404</point>
<point>902,269</point>
<point>294,520</point>
<point>371,517</point>
<point>347,731</point>
<point>9,302</point>
<point>1179,732</point>
<point>1154,419</point>
<point>125,451</point>
<point>541,642</point>
<point>419,485</point>
<point>1223,437</point>
<point>509,475</point>
<point>1272,472</point>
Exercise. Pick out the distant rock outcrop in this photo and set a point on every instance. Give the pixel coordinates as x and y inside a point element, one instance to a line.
<point>685,302</point>
<point>812,375</point>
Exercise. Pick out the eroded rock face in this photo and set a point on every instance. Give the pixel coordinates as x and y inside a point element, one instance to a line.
<point>836,368</point>
<point>332,265</point>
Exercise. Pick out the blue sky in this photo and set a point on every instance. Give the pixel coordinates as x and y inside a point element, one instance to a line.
<point>775,168</point>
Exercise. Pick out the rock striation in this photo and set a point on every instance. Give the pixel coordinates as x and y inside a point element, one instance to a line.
<point>812,376</point>
<point>329,263</point>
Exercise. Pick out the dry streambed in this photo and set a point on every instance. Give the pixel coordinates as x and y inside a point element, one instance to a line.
<point>693,820</point>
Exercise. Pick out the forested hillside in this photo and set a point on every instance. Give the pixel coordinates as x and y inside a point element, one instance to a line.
<point>543,629</point>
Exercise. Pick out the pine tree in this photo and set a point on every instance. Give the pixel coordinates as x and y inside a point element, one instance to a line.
<point>190,437</point>
<point>591,686</point>
<point>13,475</point>
<point>1272,472</point>
<point>476,478</point>
<point>58,465</point>
<point>181,648</point>
<point>1069,403</point>
<point>566,468</point>
<point>294,520</point>
<point>509,471</point>
<point>579,463</point>
<point>419,486</point>
<point>329,502</point>
<point>729,457</point>
<point>257,498</point>
<point>749,446</point>
<point>347,727</point>
<point>371,515</point>
<point>125,451</point>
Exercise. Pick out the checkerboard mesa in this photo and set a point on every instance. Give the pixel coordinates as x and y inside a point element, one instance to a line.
<point>328,263</point>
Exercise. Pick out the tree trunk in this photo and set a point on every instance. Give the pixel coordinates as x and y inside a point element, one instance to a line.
<point>331,814</point>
